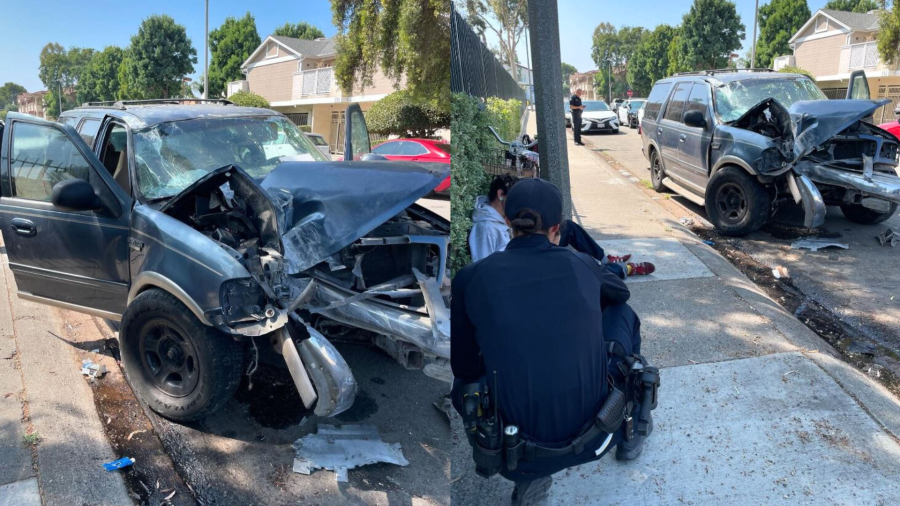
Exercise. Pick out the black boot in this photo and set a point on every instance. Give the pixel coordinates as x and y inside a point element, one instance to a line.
<point>531,493</point>
<point>630,450</point>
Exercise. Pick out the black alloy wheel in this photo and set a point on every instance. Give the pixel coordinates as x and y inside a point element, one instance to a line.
<point>169,359</point>
<point>731,202</point>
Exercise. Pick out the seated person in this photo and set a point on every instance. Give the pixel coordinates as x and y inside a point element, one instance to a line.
<point>490,232</point>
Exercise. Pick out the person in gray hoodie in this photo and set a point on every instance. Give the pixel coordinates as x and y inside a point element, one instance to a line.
<point>490,233</point>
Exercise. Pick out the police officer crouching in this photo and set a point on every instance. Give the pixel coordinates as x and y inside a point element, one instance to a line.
<point>546,354</point>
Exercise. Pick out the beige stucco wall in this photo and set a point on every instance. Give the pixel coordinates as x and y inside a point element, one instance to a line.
<point>273,81</point>
<point>821,57</point>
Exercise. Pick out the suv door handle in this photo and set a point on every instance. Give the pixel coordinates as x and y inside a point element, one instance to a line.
<point>681,138</point>
<point>659,131</point>
<point>23,227</point>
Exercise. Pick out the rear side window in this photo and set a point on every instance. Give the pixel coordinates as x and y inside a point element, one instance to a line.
<point>388,148</point>
<point>699,99</point>
<point>411,149</point>
<point>676,105</point>
<point>88,131</point>
<point>655,101</point>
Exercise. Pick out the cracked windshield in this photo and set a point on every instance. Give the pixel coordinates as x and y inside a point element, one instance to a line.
<point>170,156</point>
<point>736,98</point>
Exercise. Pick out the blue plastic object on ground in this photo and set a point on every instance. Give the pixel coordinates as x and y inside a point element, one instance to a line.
<point>118,464</point>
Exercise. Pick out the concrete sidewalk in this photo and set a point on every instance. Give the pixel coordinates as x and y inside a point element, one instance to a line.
<point>43,392</point>
<point>754,407</point>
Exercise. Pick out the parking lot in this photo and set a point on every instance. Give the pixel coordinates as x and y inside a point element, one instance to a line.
<point>857,286</point>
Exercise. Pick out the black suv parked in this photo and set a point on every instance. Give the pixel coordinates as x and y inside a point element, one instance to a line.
<point>743,142</point>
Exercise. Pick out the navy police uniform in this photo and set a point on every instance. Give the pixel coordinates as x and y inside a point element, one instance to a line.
<point>575,100</point>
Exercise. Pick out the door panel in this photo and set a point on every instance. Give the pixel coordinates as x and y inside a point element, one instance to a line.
<point>694,149</point>
<point>671,134</point>
<point>63,257</point>
<point>356,137</point>
<point>859,86</point>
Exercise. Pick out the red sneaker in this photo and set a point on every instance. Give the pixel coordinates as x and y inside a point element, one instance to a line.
<point>618,259</point>
<point>640,269</point>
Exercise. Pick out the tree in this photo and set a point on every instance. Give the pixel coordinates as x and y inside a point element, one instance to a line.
<point>301,30</point>
<point>8,94</point>
<point>129,88</point>
<point>248,99</point>
<point>567,71</point>
<point>889,35</point>
<point>711,31</point>
<point>159,56</point>
<point>650,61</point>
<point>678,59</point>
<point>230,45</point>
<point>779,20</point>
<point>787,69</point>
<point>614,44</point>
<point>506,18</point>
<point>401,114</point>
<point>404,38</point>
<point>858,6</point>
<point>100,79</point>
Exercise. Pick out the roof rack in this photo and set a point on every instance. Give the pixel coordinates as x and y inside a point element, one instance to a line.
<point>721,71</point>
<point>123,104</point>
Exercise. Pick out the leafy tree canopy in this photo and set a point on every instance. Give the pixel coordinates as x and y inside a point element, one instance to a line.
<point>401,114</point>
<point>248,99</point>
<point>403,38</point>
<point>100,78</point>
<point>230,45</point>
<point>787,69</point>
<point>889,35</point>
<point>711,31</point>
<point>567,71</point>
<point>301,30</point>
<point>8,94</point>
<point>614,44</point>
<point>779,20</point>
<point>650,61</point>
<point>858,6</point>
<point>159,56</point>
<point>506,19</point>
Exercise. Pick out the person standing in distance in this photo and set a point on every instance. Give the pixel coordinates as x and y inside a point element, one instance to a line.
<point>576,107</point>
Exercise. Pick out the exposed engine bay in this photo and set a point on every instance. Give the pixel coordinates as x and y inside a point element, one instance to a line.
<point>389,282</point>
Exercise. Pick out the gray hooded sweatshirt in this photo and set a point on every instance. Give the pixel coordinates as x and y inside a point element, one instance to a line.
<point>489,232</point>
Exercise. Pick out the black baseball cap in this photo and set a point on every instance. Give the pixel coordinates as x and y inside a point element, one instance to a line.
<point>538,195</point>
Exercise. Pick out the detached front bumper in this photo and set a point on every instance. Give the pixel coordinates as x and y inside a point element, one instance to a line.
<point>875,185</point>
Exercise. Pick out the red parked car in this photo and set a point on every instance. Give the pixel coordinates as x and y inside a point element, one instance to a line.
<point>418,150</point>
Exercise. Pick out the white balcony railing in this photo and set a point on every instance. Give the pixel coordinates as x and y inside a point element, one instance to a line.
<point>313,82</point>
<point>862,56</point>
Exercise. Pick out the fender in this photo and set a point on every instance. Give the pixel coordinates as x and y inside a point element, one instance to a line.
<point>147,279</point>
<point>732,160</point>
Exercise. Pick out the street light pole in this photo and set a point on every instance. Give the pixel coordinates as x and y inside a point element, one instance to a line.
<point>753,48</point>
<point>206,56</point>
<point>543,16</point>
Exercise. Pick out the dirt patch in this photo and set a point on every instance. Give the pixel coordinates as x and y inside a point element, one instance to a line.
<point>152,479</point>
<point>855,347</point>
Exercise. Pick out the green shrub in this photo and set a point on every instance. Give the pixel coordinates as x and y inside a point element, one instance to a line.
<point>505,116</point>
<point>796,70</point>
<point>305,128</point>
<point>247,99</point>
<point>398,114</point>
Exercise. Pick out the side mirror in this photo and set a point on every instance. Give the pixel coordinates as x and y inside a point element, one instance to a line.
<point>75,195</point>
<point>695,119</point>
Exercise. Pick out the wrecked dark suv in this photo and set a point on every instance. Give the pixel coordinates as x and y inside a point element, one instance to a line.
<point>744,143</point>
<point>214,232</point>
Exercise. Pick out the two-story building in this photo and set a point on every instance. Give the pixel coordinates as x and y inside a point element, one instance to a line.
<point>833,44</point>
<point>584,81</point>
<point>32,103</point>
<point>297,78</point>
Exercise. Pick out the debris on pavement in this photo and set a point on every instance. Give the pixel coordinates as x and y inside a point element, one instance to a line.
<point>780,272</point>
<point>92,370</point>
<point>340,448</point>
<point>118,464</point>
<point>889,236</point>
<point>686,221</point>
<point>134,433</point>
<point>709,243</point>
<point>817,244</point>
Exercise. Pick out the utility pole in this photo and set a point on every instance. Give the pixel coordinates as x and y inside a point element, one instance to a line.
<point>543,15</point>
<point>530,67</point>
<point>753,50</point>
<point>206,56</point>
<point>609,81</point>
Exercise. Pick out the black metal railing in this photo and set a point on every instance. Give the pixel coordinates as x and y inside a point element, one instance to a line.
<point>474,68</point>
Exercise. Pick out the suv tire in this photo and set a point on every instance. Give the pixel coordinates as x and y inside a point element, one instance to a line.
<point>865,216</point>
<point>736,203</point>
<point>181,368</point>
<point>657,173</point>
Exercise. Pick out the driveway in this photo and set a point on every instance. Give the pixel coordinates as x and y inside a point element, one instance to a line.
<point>859,286</point>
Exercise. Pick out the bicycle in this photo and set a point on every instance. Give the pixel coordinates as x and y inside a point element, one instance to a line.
<point>519,154</point>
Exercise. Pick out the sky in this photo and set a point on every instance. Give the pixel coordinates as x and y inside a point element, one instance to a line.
<point>101,23</point>
<point>578,18</point>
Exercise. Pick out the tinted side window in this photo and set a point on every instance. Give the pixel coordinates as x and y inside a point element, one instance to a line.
<point>88,131</point>
<point>699,99</point>
<point>41,157</point>
<point>654,102</point>
<point>412,149</point>
<point>388,148</point>
<point>676,105</point>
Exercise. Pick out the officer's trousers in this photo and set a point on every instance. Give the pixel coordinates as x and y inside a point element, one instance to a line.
<point>576,128</point>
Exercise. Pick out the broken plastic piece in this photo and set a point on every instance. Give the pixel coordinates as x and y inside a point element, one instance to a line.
<point>889,236</point>
<point>92,370</point>
<point>817,244</point>
<point>339,448</point>
<point>118,464</point>
<point>686,221</point>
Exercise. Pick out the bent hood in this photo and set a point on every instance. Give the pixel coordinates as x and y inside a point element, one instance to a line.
<point>816,121</point>
<point>328,205</point>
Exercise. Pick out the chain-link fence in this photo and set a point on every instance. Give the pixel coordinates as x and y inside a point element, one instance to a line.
<point>474,68</point>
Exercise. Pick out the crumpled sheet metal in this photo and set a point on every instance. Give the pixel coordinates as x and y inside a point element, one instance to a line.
<point>339,448</point>
<point>817,244</point>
